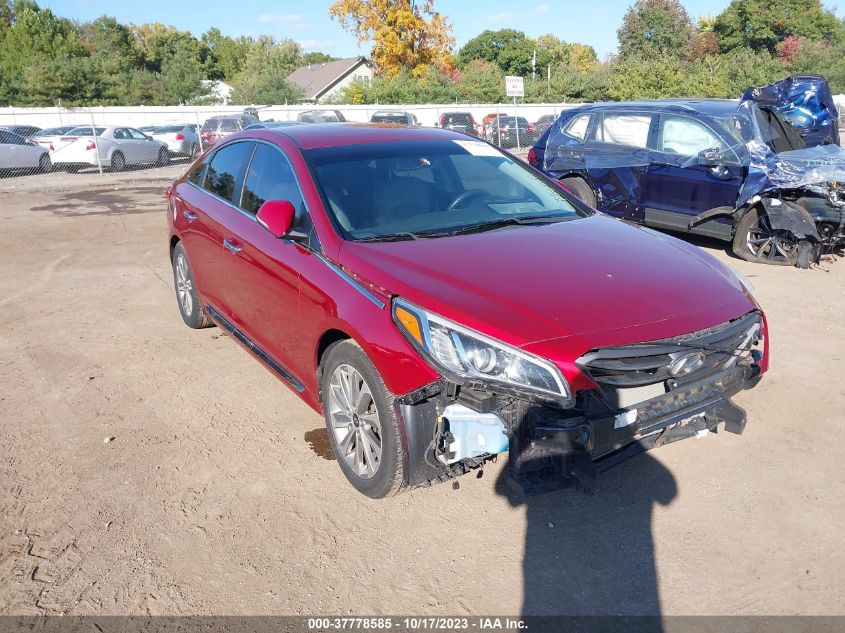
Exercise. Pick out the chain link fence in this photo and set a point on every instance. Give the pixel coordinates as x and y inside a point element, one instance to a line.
<point>113,139</point>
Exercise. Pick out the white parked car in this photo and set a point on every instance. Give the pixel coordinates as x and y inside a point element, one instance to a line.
<point>50,135</point>
<point>118,147</point>
<point>181,139</point>
<point>17,153</point>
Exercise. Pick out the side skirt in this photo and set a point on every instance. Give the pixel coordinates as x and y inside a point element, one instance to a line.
<point>263,356</point>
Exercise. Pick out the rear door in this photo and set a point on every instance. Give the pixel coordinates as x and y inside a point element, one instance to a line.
<point>616,155</point>
<point>146,148</point>
<point>204,205</point>
<point>680,184</point>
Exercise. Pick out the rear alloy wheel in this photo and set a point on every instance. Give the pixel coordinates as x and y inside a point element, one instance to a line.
<point>186,292</point>
<point>118,163</point>
<point>580,188</point>
<point>163,157</point>
<point>195,151</point>
<point>362,427</point>
<point>45,165</point>
<point>756,241</point>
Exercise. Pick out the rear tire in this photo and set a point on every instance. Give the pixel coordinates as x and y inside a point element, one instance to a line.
<point>163,157</point>
<point>187,296</point>
<point>118,162</point>
<point>359,415</point>
<point>45,165</point>
<point>580,188</point>
<point>756,241</point>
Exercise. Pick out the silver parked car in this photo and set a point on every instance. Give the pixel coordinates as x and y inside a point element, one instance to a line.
<point>181,139</point>
<point>18,153</point>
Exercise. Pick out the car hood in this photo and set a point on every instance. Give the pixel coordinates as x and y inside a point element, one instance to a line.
<point>525,284</point>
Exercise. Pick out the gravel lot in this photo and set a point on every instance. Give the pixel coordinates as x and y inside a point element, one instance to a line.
<point>148,468</point>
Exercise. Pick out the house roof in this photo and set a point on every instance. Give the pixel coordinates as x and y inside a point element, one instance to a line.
<point>317,79</point>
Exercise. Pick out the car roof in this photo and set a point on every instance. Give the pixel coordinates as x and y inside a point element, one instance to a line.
<point>331,134</point>
<point>711,107</point>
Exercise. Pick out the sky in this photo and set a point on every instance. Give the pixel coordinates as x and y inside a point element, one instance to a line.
<point>307,21</point>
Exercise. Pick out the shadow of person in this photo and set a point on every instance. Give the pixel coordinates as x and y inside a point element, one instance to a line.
<point>594,554</point>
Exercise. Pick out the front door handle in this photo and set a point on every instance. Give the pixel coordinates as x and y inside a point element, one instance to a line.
<point>190,217</point>
<point>232,246</point>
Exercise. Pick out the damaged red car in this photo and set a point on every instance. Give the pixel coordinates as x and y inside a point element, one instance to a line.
<point>441,303</point>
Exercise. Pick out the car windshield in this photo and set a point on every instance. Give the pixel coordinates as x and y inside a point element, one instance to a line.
<point>50,131</point>
<point>167,129</point>
<point>318,117</point>
<point>86,131</point>
<point>766,126</point>
<point>408,190</point>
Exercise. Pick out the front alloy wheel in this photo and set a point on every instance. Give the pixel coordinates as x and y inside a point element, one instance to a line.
<point>355,421</point>
<point>757,241</point>
<point>361,422</point>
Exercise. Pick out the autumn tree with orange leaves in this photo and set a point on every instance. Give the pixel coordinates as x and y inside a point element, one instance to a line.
<point>405,33</point>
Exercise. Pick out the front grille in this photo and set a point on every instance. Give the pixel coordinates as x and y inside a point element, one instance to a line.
<point>678,359</point>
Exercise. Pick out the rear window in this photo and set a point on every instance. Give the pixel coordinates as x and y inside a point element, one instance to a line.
<point>318,117</point>
<point>86,131</point>
<point>624,129</point>
<point>52,131</point>
<point>389,117</point>
<point>226,171</point>
<point>167,129</point>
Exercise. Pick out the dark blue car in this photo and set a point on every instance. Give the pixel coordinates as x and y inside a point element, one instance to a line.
<point>765,172</point>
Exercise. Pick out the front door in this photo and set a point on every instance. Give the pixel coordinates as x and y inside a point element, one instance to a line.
<point>682,182</point>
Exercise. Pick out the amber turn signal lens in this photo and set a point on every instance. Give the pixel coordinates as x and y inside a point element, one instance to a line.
<point>410,322</point>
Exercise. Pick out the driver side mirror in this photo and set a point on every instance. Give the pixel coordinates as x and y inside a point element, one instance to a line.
<point>277,216</point>
<point>711,156</point>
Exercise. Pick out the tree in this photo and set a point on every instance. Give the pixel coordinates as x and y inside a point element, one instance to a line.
<point>583,57</point>
<point>763,24</point>
<point>316,58</point>
<point>405,34</point>
<point>509,49</point>
<point>181,80</point>
<point>551,51</point>
<point>481,82</point>
<point>266,68</point>
<point>649,78</point>
<point>655,27</point>
<point>225,56</point>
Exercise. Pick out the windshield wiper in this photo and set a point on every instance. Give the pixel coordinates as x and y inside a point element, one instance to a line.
<point>516,220</point>
<point>403,236</point>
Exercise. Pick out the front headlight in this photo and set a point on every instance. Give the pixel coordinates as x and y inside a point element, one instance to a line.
<point>466,356</point>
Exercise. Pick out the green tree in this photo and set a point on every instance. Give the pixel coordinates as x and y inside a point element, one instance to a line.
<point>762,24</point>
<point>655,27</point>
<point>316,58</point>
<point>181,80</point>
<point>481,82</point>
<point>649,78</point>
<point>263,78</point>
<point>509,49</point>
<point>225,55</point>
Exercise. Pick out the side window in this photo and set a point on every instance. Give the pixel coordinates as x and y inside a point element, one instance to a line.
<point>624,129</point>
<point>120,134</point>
<point>225,172</point>
<point>138,136</point>
<point>577,127</point>
<point>196,174</point>
<point>270,177</point>
<point>686,137</point>
<point>7,139</point>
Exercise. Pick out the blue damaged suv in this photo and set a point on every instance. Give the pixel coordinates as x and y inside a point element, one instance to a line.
<point>765,172</point>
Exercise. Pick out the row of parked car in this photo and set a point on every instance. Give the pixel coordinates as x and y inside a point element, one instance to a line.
<point>73,147</point>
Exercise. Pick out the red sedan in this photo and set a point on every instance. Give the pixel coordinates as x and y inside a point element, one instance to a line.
<point>441,302</point>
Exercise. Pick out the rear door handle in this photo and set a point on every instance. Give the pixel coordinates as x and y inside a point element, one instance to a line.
<point>190,217</point>
<point>232,246</point>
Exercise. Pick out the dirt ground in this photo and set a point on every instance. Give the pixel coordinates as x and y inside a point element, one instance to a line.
<point>148,468</point>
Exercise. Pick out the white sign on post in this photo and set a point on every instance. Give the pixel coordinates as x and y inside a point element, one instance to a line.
<point>514,86</point>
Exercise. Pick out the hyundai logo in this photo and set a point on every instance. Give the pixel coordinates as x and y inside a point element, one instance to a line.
<point>686,364</point>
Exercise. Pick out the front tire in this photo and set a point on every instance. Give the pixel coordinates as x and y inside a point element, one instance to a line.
<point>187,296</point>
<point>360,420</point>
<point>756,241</point>
<point>163,158</point>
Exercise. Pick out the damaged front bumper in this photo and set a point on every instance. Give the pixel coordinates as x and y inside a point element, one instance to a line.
<point>551,448</point>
